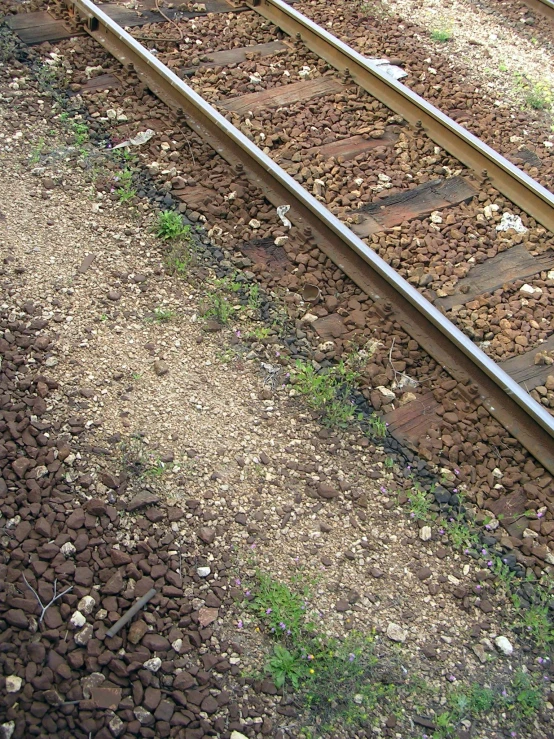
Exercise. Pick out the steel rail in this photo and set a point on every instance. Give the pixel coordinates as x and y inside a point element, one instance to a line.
<point>544,7</point>
<point>511,181</point>
<point>478,375</point>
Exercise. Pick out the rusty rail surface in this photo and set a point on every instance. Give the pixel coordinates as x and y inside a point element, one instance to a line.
<point>479,377</point>
<point>544,7</point>
<point>511,181</point>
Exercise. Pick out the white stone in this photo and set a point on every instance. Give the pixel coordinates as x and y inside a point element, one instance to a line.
<point>86,605</point>
<point>436,217</point>
<point>254,223</point>
<point>309,318</point>
<point>238,735</point>
<point>319,188</point>
<point>510,221</point>
<point>13,684</point>
<point>387,393</point>
<point>153,664</point>
<point>396,633</point>
<point>9,727</point>
<point>504,645</point>
<point>143,716</point>
<point>203,571</point>
<point>425,533</point>
<point>67,549</point>
<point>77,620</point>
<point>116,725</point>
<point>176,645</point>
<point>84,636</point>
<point>530,290</point>
<point>281,240</point>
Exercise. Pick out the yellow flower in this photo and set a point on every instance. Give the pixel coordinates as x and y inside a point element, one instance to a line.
<point>312,671</point>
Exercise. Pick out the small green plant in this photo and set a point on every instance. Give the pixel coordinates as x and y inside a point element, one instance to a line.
<point>537,623</point>
<point>80,133</point>
<point>126,192</point>
<point>163,315</point>
<point>389,463</point>
<point>329,391</point>
<point>460,534</point>
<point>287,666</point>
<point>259,333</point>
<point>502,67</point>
<point>441,35</point>
<point>527,696</point>
<point>419,503</point>
<point>343,686</point>
<point>36,152</point>
<point>156,469</point>
<point>377,427</point>
<point>282,611</point>
<point>254,298</point>
<point>539,96</point>
<point>170,226</point>
<point>217,307</point>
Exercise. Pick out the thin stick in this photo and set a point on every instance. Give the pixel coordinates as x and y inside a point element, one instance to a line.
<point>55,598</point>
<point>131,612</point>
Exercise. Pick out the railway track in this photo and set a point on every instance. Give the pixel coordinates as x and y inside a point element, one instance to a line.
<point>480,379</point>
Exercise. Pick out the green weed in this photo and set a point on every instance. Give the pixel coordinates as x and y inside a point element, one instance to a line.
<point>126,192</point>
<point>259,333</point>
<point>343,686</point>
<point>460,534</point>
<point>377,427</point>
<point>441,35</point>
<point>80,132</point>
<point>527,696</point>
<point>419,503</point>
<point>217,307</point>
<point>537,623</point>
<point>163,315</point>
<point>328,391</point>
<point>282,611</point>
<point>36,152</point>
<point>287,666</point>
<point>155,469</point>
<point>539,96</point>
<point>170,226</point>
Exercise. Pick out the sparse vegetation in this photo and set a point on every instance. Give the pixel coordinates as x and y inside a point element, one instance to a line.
<point>125,190</point>
<point>163,315</point>
<point>328,391</point>
<point>170,226</point>
<point>441,35</point>
<point>539,96</point>
<point>36,153</point>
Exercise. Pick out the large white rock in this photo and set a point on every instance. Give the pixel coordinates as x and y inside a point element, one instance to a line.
<point>504,645</point>
<point>425,533</point>
<point>13,684</point>
<point>396,633</point>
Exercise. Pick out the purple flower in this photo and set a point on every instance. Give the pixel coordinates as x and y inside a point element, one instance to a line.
<point>504,693</point>
<point>240,624</point>
<point>268,611</point>
<point>441,531</point>
<point>452,678</point>
<point>483,551</point>
<point>540,514</point>
<point>351,657</point>
<point>237,581</point>
<point>282,625</point>
<point>247,592</point>
<point>489,563</point>
<point>456,472</point>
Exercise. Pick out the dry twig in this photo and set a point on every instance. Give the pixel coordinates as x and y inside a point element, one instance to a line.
<point>55,598</point>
